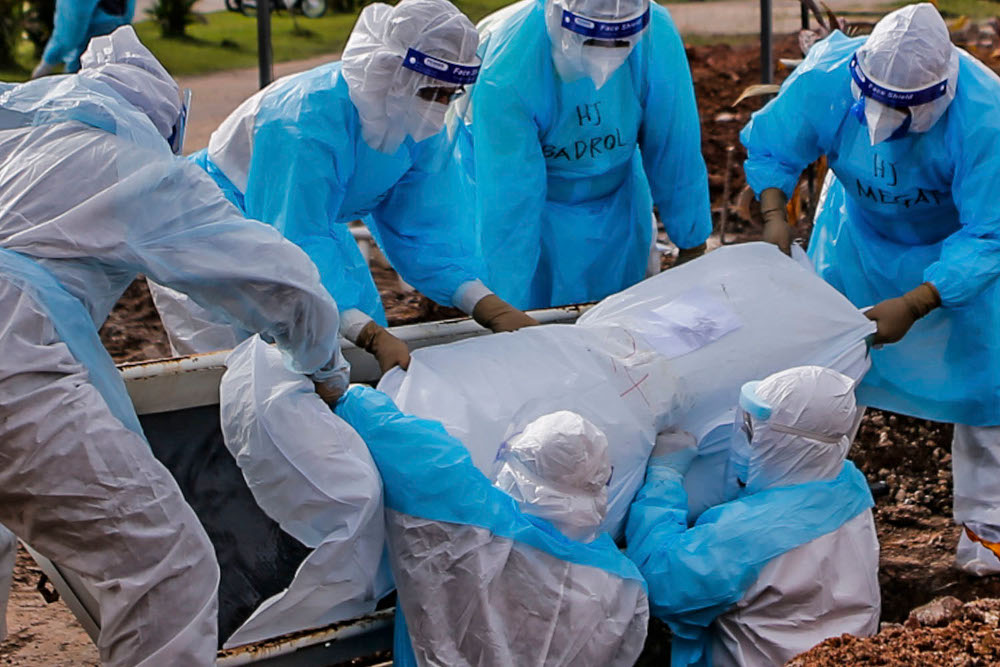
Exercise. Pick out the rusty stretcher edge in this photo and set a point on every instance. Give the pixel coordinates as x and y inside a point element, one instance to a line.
<point>165,385</point>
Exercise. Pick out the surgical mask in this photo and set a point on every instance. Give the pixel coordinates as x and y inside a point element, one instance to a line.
<point>589,45</point>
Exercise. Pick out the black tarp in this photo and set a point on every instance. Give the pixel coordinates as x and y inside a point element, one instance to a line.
<point>256,558</point>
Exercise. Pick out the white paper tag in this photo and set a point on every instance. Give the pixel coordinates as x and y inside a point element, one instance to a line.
<point>689,322</point>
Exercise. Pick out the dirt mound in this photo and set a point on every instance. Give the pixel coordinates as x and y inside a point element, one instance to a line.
<point>944,632</point>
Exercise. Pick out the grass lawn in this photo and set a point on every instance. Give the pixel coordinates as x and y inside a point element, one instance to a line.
<point>227,40</point>
<point>974,9</point>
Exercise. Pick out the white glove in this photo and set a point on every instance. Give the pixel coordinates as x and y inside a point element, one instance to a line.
<point>675,449</point>
<point>42,69</point>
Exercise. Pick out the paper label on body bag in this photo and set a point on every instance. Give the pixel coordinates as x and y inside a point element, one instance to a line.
<point>688,323</point>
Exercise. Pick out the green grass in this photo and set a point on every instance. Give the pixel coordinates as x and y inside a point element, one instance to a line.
<point>951,9</point>
<point>227,40</point>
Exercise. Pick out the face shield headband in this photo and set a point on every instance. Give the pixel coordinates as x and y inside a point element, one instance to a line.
<point>606,30</point>
<point>900,100</point>
<point>442,70</point>
<point>755,407</point>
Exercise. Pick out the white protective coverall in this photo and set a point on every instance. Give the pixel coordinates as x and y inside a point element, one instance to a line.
<point>312,474</point>
<point>487,574</point>
<point>90,196</point>
<point>793,559</point>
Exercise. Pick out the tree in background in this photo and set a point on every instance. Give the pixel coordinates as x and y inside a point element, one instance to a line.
<point>39,21</point>
<point>11,13</point>
<point>173,16</point>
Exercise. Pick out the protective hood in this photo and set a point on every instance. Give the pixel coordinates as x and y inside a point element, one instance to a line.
<point>905,74</point>
<point>123,63</point>
<point>394,52</point>
<point>558,469</point>
<point>593,38</point>
<point>793,427</point>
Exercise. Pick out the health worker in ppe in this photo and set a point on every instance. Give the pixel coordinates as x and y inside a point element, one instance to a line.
<point>504,573</point>
<point>908,224</point>
<point>78,481</point>
<point>792,559</point>
<point>356,138</point>
<point>583,118</point>
<point>75,23</point>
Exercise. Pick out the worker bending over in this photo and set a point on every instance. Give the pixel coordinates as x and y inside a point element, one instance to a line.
<point>583,118</point>
<point>792,559</point>
<point>91,196</point>
<point>504,573</point>
<point>356,138</point>
<point>909,224</point>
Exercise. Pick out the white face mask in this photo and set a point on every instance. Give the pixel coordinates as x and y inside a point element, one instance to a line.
<point>882,121</point>
<point>424,119</point>
<point>583,47</point>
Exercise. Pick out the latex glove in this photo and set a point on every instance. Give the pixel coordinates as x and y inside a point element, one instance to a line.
<point>776,227</point>
<point>389,351</point>
<point>675,449</point>
<point>685,255</point>
<point>330,394</point>
<point>42,69</point>
<point>894,317</point>
<point>497,315</point>
<point>332,381</point>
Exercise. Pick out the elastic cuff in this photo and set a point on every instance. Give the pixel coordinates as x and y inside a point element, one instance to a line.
<point>469,294</point>
<point>352,322</point>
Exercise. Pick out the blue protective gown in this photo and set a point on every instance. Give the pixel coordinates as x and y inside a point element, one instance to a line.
<point>918,209</point>
<point>311,172</point>
<point>696,574</point>
<point>566,175</point>
<point>77,21</point>
<point>427,473</point>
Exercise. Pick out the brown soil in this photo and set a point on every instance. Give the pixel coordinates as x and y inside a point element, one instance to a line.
<point>945,632</point>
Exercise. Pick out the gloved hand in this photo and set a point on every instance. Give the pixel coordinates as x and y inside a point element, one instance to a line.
<point>776,227</point>
<point>389,351</point>
<point>675,449</point>
<point>685,255</point>
<point>42,69</point>
<point>328,393</point>
<point>894,317</point>
<point>333,379</point>
<point>497,315</point>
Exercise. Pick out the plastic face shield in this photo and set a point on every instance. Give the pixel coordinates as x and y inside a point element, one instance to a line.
<point>898,100</point>
<point>432,109</point>
<point>605,33</point>
<point>751,408</point>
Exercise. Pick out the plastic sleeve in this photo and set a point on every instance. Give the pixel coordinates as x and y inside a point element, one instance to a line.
<point>670,141</point>
<point>426,224</point>
<point>970,258</point>
<point>352,321</point>
<point>511,188</point>
<point>469,294</point>
<point>193,240</point>
<point>69,34</point>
